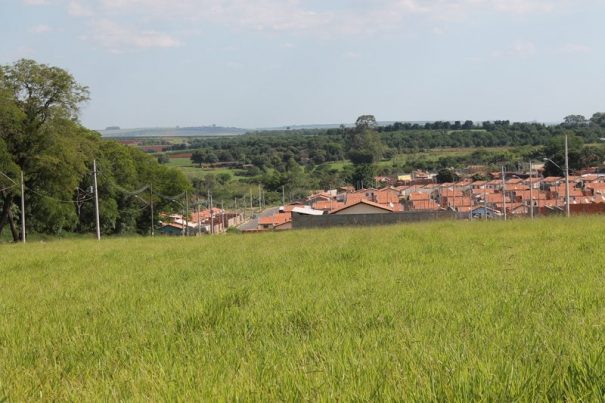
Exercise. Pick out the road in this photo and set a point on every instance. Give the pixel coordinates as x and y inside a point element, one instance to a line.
<point>253,223</point>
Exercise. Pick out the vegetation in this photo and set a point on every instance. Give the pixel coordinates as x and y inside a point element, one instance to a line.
<point>443,311</point>
<point>321,159</point>
<point>40,136</point>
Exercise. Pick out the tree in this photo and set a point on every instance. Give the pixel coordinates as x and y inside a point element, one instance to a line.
<point>363,143</point>
<point>598,119</point>
<point>446,175</point>
<point>366,122</point>
<point>362,176</point>
<point>555,151</point>
<point>574,121</point>
<point>197,157</point>
<point>41,137</point>
<point>39,108</point>
<point>163,158</point>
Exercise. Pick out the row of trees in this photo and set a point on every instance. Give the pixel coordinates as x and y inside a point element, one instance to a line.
<point>40,135</point>
<point>274,150</point>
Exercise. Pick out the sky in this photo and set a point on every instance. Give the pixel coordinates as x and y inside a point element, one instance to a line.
<point>265,63</point>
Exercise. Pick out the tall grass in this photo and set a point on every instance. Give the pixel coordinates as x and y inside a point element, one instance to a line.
<point>440,311</point>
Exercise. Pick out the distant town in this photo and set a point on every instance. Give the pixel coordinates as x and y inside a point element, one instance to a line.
<point>514,195</point>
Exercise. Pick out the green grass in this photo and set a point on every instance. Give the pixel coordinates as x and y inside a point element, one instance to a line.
<point>497,311</point>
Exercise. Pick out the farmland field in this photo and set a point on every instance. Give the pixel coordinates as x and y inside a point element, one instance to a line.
<point>495,311</point>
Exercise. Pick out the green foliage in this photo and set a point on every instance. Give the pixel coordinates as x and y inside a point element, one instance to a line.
<point>446,175</point>
<point>555,151</point>
<point>40,135</point>
<point>444,311</point>
<point>598,119</point>
<point>362,176</point>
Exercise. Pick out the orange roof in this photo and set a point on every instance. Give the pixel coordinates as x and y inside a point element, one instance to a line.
<point>387,196</point>
<point>483,191</point>
<point>451,193</point>
<point>551,179</point>
<point>425,205</point>
<point>510,188</point>
<point>276,219</point>
<point>353,198</point>
<point>205,214</point>
<point>595,185</point>
<point>419,196</point>
<point>496,198</point>
<point>327,205</point>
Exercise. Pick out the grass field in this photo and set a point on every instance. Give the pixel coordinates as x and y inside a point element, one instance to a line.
<point>496,311</point>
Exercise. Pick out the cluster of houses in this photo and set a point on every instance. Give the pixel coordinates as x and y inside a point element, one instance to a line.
<point>513,195</point>
<point>209,221</point>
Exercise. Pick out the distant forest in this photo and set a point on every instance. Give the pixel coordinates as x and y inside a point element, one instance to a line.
<point>273,149</point>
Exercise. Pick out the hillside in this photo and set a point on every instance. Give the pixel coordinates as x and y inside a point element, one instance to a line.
<point>495,311</point>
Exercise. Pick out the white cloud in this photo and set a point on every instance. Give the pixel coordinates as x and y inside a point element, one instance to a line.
<point>306,17</point>
<point>40,29</point>
<point>78,9</point>
<point>118,38</point>
<point>352,55</point>
<point>36,2</point>
<point>574,49</point>
<point>518,49</point>
<point>525,6</point>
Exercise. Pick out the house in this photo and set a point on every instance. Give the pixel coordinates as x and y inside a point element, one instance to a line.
<point>276,220</point>
<point>327,205</point>
<point>364,207</point>
<point>171,229</point>
<point>485,212</point>
<point>424,205</point>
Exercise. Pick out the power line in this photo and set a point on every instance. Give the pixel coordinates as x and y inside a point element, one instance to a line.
<point>9,178</point>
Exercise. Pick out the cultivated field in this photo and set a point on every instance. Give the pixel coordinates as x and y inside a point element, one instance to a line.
<point>440,311</point>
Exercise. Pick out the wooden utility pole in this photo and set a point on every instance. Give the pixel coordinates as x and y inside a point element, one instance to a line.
<point>151,205</point>
<point>531,191</point>
<point>94,171</point>
<point>503,193</point>
<point>22,209</point>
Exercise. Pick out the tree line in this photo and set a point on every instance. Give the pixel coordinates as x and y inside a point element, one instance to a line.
<point>41,136</point>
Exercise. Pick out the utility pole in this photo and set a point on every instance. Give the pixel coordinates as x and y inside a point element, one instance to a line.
<point>531,191</point>
<point>186,214</point>
<point>94,172</point>
<point>566,178</point>
<point>151,205</point>
<point>22,209</point>
<point>211,215</point>
<point>503,193</point>
<point>283,195</point>
<point>199,225</point>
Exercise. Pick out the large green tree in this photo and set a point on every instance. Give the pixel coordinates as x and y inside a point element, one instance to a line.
<point>39,108</point>
<point>40,136</point>
<point>364,148</point>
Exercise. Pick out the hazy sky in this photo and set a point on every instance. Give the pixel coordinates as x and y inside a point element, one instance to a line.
<point>258,63</point>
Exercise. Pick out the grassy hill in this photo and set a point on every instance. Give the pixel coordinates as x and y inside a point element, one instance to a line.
<point>438,311</point>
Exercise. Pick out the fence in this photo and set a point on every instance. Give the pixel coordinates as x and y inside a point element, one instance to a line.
<point>300,221</point>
